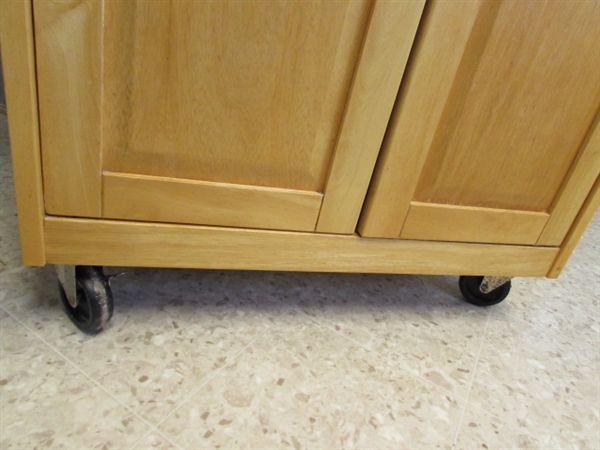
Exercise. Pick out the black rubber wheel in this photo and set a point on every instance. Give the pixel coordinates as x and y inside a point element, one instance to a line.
<point>94,297</point>
<point>469,286</point>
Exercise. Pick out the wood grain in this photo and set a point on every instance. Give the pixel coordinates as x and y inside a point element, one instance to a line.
<point>520,108</point>
<point>443,34</point>
<point>172,200</point>
<point>235,92</point>
<point>114,243</point>
<point>499,97</point>
<point>467,224</point>
<point>69,54</point>
<point>388,43</point>
<point>576,231</point>
<point>18,62</point>
<point>575,189</point>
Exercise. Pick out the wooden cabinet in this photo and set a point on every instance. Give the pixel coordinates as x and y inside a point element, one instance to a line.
<point>494,136</point>
<point>248,134</point>
<point>245,114</point>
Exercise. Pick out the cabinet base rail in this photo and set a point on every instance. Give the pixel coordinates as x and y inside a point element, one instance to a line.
<point>121,243</point>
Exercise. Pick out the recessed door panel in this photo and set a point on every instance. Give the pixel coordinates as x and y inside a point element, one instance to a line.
<point>485,150</point>
<point>225,112</point>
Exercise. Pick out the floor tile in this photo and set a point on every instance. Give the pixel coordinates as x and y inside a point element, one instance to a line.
<point>548,306</point>
<point>566,303</point>
<point>32,281</point>
<point>10,256</point>
<point>154,442</point>
<point>47,403</point>
<point>544,384</point>
<point>406,319</point>
<point>482,430</point>
<point>303,386</point>
<point>171,329</point>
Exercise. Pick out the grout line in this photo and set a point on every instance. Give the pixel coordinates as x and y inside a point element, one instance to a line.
<point>218,371</point>
<point>375,352</point>
<point>76,367</point>
<point>151,428</point>
<point>157,431</point>
<point>425,380</point>
<point>435,280</point>
<point>277,317</point>
<point>539,327</point>
<point>535,326</point>
<point>546,285</point>
<point>462,415</point>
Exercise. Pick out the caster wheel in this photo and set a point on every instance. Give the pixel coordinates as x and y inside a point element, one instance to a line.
<point>94,300</point>
<point>469,286</point>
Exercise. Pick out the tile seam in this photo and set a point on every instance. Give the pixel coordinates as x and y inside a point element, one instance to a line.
<point>215,374</point>
<point>375,352</point>
<point>475,366</point>
<point>88,377</point>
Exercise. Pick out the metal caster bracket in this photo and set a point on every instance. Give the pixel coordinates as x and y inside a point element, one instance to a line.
<point>488,284</point>
<point>66,276</point>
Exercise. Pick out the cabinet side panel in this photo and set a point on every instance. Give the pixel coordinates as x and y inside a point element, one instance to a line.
<point>18,62</point>
<point>579,225</point>
<point>68,51</point>
<point>575,189</point>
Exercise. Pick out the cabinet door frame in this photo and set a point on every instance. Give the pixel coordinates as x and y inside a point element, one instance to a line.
<point>391,210</point>
<point>18,65</point>
<point>397,172</point>
<point>574,191</point>
<point>74,181</point>
<point>374,89</point>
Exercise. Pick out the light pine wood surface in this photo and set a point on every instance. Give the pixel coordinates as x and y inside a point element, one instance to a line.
<point>103,242</point>
<point>443,33</point>
<point>18,63</point>
<point>506,131</point>
<point>435,222</point>
<point>160,199</point>
<point>576,231</point>
<point>391,33</point>
<point>575,190</point>
<point>235,92</point>
<point>519,110</point>
<point>286,95</point>
<point>68,37</point>
<point>443,203</point>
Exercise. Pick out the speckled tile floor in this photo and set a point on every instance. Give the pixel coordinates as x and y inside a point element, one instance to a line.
<point>216,359</point>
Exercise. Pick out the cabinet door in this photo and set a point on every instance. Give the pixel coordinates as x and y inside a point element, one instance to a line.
<point>261,114</point>
<point>494,136</point>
